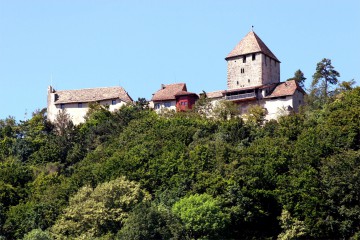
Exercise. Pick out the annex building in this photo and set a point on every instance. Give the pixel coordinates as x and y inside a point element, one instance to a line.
<point>76,102</point>
<point>173,97</point>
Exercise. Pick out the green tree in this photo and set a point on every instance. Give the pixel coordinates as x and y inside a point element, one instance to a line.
<point>344,86</point>
<point>225,110</point>
<point>63,123</point>
<point>151,222</point>
<point>324,76</point>
<point>32,134</point>
<point>292,227</point>
<point>202,216</point>
<point>24,217</point>
<point>299,78</point>
<point>256,115</point>
<point>341,185</point>
<point>142,104</point>
<point>37,234</point>
<point>99,211</point>
<point>8,128</point>
<point>203,105</point>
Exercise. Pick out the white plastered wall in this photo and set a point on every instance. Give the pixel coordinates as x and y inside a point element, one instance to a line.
<point>77,113</point>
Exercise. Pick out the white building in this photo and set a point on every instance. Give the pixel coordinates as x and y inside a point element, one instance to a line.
<point>173,97</point>
<point>76,102</point>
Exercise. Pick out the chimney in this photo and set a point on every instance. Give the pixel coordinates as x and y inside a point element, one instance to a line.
<point>162,86</point>
<point>51,89</point>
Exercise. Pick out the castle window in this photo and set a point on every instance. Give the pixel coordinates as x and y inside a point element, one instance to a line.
<point>167,104</point>
<point>248,80</point>
<point>244,59</point>
<point>253,56</point>
<point>62,106</point>
<point>237,82</point>
<point>157,105</point>
<point>113,102</point>
<point>79,105</point>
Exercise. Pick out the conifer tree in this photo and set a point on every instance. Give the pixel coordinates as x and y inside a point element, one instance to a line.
<point>299,78</point>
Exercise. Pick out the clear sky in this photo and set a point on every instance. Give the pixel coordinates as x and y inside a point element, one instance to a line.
<point>139,45</point>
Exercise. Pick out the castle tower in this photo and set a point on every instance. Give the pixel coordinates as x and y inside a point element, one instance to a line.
<point>251,63</point>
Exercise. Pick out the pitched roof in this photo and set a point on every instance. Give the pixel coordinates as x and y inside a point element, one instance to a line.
<point>91,95</point>
<point>251,43</point>
<point>168,92</point>
<point>287,88</point>
<point>215,94</point>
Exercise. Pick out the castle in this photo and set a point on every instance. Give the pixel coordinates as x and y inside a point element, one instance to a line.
<point>253,78</point>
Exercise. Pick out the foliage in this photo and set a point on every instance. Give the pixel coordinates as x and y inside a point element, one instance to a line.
<point>94,212</point>
<point>63,123</point>
<point>292,228</point>
<point>27,216</point>
<point>256,115</point>
<point>299,78</point>
<point>324,76</point>
<point>225,110</point>
<point>37,234</point>
<point>202,216</point>
<point>151,222</point>
<point>133,174</point>
<point>203,106</point>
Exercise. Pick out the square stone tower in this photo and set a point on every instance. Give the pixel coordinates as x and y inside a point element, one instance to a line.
<point>251,63</point>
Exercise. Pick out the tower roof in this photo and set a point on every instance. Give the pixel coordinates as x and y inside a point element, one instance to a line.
<point>251,43</point>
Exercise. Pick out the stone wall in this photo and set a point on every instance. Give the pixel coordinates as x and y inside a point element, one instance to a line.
<point>244,74</point>
<point>257,69</point>
<point>270,70</point>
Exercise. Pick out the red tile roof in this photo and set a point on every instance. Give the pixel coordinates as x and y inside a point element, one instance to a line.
<point>91,95</point>
<point>168,92</point>
<point>287,88</point>
<point>251,43</point>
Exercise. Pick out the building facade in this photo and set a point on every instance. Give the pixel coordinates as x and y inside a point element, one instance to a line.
<point>253,78</point>
<point>173,97</point>
<point>76,102</point>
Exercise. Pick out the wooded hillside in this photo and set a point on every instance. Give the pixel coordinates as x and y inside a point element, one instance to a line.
<point>134,174</point>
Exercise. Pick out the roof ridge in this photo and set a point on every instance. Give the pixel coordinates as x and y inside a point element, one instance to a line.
<point>173,84</point>
<point>257,39</point>
<point>80,89</point>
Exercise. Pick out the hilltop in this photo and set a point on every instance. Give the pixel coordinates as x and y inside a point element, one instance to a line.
<point>134,174</point>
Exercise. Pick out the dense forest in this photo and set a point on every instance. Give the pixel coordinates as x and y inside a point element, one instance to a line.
<point>134,174</point>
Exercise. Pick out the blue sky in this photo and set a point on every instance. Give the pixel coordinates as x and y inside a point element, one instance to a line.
<point>139,45</point>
